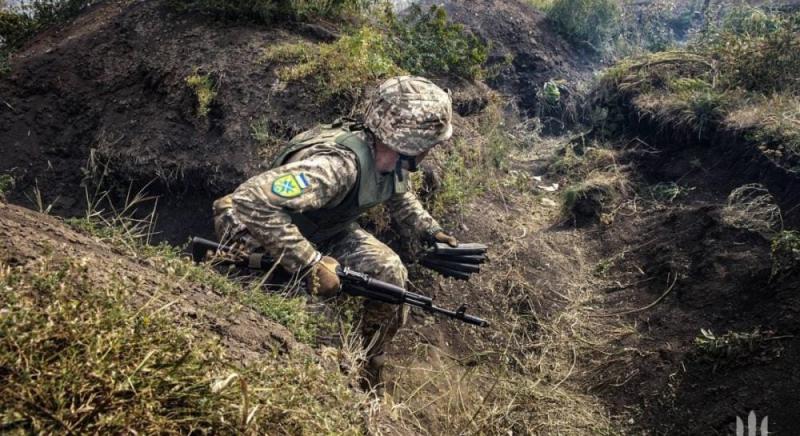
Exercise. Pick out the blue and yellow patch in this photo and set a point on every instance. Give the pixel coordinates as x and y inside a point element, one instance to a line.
<point>290,185</point>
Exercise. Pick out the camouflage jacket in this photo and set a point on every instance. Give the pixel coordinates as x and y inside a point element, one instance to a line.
<point>315,178</point>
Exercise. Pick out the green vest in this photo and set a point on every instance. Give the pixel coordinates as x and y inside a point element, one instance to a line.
<point>371,188</point>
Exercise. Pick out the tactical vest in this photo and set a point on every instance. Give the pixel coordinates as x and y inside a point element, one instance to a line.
<point>371,188</point>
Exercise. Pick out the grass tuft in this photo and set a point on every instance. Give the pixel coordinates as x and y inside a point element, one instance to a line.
<point>204,89</point>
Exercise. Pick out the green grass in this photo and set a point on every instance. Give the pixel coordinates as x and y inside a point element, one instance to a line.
<point>288,311</point>
<point>78,359</point>
<point>205,91</point>
<point>342,67</point>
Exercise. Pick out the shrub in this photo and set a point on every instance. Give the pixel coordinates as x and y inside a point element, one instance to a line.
<point>425,42</point>
<point>592,22</point>
<point>421,43</point>
<point>757,51</point>
<point>340,67</point>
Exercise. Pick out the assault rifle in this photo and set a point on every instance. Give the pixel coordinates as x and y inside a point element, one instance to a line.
<point>353,282</point>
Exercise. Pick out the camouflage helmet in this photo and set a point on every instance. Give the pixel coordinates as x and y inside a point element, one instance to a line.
<point>410,114</point>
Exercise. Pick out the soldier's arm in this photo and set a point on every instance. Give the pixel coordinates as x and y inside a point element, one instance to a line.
<point>407,210</point>
<point>264,202</point>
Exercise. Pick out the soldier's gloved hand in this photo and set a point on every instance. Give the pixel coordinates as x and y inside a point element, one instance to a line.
<point>441,236</point>
<point>322,278</point>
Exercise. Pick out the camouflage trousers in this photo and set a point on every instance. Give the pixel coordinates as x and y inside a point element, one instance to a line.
<point>355,248</point>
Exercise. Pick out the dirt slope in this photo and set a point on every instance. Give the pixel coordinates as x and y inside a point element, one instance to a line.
<point>26,236</point>
<point>112,86</point>
<point>538,52</point>
<point>114,81</point>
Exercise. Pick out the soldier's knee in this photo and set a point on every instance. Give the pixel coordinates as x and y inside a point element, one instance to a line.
<point>392,270</point>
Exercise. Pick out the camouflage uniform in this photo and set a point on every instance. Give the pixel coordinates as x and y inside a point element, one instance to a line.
<point>305,207</point>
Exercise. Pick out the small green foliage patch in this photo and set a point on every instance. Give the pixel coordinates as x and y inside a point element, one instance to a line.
<point>204,89</point>
<point>785,254</point>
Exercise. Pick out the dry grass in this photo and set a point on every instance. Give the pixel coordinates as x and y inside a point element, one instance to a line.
<point>532,375</point>
<point>752,207</point>
<point>78,359</point>
<point>774,121</point>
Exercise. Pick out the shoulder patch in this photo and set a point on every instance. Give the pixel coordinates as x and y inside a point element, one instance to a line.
<point>290,185</point>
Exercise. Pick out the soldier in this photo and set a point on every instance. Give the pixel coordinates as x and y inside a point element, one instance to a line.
<point>303,211</point>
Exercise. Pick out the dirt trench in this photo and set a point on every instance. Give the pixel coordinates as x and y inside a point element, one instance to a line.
<point>114,82</point>
<point>714,274</point>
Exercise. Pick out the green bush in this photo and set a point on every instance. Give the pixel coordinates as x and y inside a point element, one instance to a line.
<point>425,42</point>
<point>592,22</point>
<point>342,67</point>
<point>758,52</point>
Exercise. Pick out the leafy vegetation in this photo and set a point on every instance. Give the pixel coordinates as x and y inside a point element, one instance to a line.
<point>731,345</point>
<point>592,22</point>
<point>425,42</point>
<point>78,359</point>
<point>342,67</point>
<point>204,89</point>
<point>420,43</point>
<point>739,75</point>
